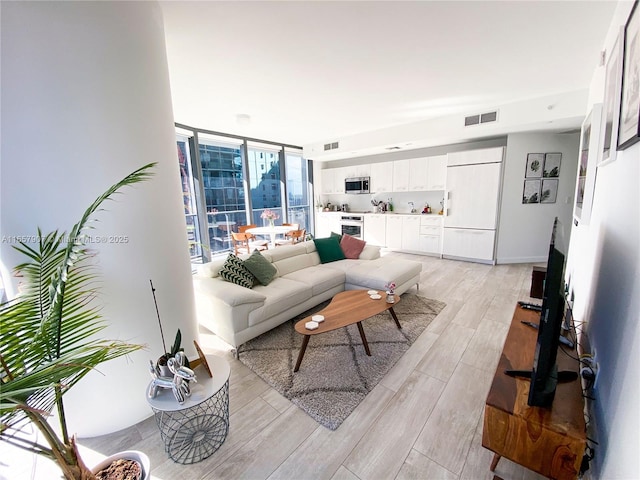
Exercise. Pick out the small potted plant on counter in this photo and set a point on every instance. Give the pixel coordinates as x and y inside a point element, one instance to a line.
<point>48,337</point>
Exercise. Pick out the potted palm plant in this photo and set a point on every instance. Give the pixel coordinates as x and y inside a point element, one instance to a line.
<point>48,337</point>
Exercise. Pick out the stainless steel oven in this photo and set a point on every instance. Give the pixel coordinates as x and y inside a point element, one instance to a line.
<point>352,225</point>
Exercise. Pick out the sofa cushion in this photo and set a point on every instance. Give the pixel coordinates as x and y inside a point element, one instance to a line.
<point>352,246</point>
<point>281,294</point>
<point>377,273</point>
<point>329,249</point>
<point>234,271</point>
<point>319,278</point>
<point>260,267</point>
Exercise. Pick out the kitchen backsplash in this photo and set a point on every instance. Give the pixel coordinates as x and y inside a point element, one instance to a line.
<point>362,203</point>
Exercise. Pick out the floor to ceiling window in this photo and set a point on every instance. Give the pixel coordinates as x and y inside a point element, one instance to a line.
<point>266,187</point>
<point>223,184</point>
<point>189,198</point>
<point>299,191</point>
<point>229,181</point>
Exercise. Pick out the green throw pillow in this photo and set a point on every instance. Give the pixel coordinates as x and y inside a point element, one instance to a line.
<point>329,249</point>
<point>260,267</point>
<point>234,271</point>
<point>337,235</point>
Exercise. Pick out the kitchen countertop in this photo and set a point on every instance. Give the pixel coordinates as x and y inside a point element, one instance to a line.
<point>369,212</point>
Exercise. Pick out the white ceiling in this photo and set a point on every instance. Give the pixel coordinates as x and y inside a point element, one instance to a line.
<point>314,71</point>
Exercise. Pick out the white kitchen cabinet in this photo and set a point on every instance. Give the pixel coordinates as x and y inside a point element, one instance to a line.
<point>470,157</point>
<point>473,193</point>
<point>437,172</point>
<point>418,174</point>
<point>332,180</point>
<point>431,234</point>
<point>393,237</point>
<point>410,233</point>
<point>472,196</point>
<point>326,177</point>
<point>356,171</point>
<point>381,177</point>
<point>338,180</point>
<point>375,228</point>
<point>327,222</point>
<point>469,243</point>
<point>401,175</point>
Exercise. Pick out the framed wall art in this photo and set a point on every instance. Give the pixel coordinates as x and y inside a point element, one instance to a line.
<point>549,190</point>
<point>629,122</point>
<point>531,191</point>
<point>551,167</point>
<point>611,106</point>
<point>534,165</point>
<point>586,179</point>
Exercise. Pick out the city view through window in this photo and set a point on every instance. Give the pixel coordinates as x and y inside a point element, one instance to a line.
<point>224,188</point>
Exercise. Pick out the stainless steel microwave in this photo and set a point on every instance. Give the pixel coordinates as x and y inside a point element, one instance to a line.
<point>356,185</point>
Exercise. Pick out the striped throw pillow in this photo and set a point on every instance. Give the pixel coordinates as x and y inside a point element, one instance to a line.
<point>234,271</point>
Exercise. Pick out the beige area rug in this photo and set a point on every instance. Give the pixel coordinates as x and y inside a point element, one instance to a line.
<point>336,374</point>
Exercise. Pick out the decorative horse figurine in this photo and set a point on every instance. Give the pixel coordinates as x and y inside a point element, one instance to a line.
<point>177,383</point>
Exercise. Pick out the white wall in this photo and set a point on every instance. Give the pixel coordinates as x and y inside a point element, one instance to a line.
<point>85,101</point>
<point>525,229</point>
<point>604,264</point>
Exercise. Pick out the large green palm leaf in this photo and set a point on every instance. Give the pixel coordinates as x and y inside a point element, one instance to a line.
<point>48,332</point>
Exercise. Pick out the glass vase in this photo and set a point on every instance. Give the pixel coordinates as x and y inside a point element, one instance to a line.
<point>391,297</point>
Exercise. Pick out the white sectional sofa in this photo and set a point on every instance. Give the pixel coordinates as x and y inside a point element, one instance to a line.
<point>237,314</point>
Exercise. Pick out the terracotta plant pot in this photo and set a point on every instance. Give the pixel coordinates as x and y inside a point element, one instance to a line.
<point>136,455</point>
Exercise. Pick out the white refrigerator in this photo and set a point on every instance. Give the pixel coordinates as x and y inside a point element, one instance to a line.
<point>474,181</point>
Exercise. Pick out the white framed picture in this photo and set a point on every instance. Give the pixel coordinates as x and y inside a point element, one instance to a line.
<point>531,191</point>
<point>588,153</point>
<point>629,128</point>
<point>549,190</point>
<point>611,105</point>
<point>535,162</point>
<point>551,165</point>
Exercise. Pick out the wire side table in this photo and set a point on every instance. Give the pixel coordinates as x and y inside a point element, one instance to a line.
<point>194,430</point>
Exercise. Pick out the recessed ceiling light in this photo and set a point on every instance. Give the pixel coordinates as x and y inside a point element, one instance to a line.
<point>243,119</point>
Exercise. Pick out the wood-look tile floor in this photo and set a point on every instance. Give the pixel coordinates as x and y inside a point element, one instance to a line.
<point>422,421</point>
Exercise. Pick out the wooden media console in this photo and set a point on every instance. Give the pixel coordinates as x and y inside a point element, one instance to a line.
<point>550,441</point>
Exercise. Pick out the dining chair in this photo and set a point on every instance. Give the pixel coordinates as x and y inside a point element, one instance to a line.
<point>242,243</point>
<point>295,236</point>
<point>254,239</point>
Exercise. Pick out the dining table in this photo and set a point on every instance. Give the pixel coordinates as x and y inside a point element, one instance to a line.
<point>271,231</point>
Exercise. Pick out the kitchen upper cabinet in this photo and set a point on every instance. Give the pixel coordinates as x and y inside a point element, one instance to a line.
<point>375,228</point>
<point>394,232</point>
<point>471,157</point>
<point>332,180</point>
<point>355,171</point>
<point>401,169</point>
<point>410,233</point>
<point>437,172</point>
<point>326,177</point>
<point>381,177</point>
<point>418,174</point>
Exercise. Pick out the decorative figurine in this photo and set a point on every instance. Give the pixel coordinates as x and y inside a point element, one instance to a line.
<point>179,383</point>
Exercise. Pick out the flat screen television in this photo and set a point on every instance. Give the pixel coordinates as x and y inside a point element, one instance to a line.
<point>544,376</point>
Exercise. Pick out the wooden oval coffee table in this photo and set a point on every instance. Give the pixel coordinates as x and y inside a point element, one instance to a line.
<point>346,308</point>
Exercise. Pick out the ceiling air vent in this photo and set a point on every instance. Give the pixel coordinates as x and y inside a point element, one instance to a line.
<point>488,117</point>
<point>331,146</point>
<point>471,120</point>
<point>481,118</point>
<point>393,148</point>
